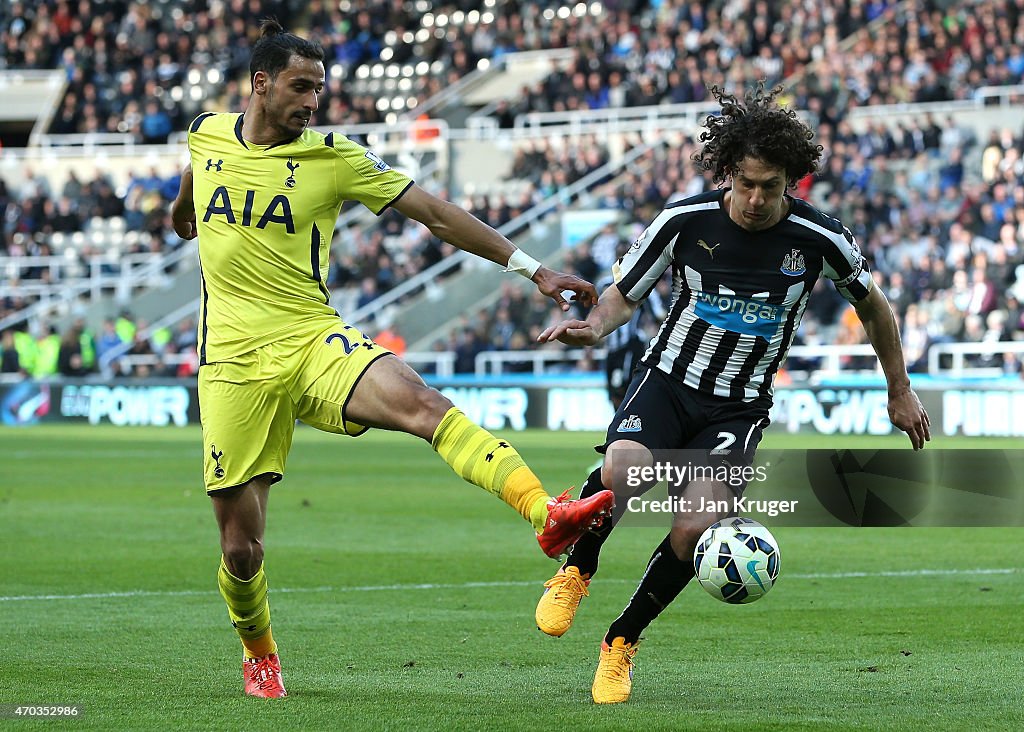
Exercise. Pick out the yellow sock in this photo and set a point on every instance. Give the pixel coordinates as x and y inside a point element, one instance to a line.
<point>539,513</point>
<point>249,610</point>
<point>493,464</point>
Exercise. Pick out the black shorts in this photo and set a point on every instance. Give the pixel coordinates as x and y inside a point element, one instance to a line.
<point>619,366</point>
<point>663,414</point>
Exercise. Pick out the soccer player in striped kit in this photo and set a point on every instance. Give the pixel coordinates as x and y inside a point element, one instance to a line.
<point>744,259</point>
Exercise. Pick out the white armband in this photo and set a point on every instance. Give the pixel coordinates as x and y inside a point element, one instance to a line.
<point>522,263</point>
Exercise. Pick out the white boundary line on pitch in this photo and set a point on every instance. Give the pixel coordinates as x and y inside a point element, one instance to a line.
<point>475,585</point>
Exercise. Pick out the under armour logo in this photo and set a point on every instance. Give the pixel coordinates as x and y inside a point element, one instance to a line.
<point>490,455</point>
<point>711,249</point>
<point>292,167</point>
<point>211,164</point>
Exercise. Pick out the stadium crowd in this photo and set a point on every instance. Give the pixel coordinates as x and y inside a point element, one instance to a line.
<point>78,351</point>
<point>944,238</point>
<point>939,214</point>
<point>147,68</point>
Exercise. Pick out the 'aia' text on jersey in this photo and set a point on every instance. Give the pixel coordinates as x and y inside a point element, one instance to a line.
<point>266,216</point>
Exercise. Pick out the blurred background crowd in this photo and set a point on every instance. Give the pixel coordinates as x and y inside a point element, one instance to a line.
<point>937,207</point>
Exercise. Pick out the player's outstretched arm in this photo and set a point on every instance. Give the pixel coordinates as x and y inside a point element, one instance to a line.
<point>905,409</point>
<point>611,311</point>
<point>450,223</point>
<point>183,210</point>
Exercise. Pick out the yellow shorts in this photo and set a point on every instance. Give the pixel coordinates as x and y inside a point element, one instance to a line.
<point>248,404</point>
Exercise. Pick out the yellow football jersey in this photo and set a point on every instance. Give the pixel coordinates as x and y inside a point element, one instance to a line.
<point>265,216</point>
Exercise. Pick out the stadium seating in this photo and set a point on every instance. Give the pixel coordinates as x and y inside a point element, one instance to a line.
<point>937,205</point>
<point>386,59</point>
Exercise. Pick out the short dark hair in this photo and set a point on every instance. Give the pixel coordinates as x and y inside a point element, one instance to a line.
<point>275,47</point>
<point>759,128</point>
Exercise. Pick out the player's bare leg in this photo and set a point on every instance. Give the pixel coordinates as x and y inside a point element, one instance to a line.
<point>242,517</point>
<point>390,395</point>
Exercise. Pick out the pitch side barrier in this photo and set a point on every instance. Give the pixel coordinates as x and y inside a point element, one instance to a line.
<point>990,407</point>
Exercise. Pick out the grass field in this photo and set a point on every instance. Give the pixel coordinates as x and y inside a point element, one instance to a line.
<point>403,599</point>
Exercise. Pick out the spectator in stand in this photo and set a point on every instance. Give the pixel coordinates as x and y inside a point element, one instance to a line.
<point>47,353</point>
<point>27,348</point>
<point>9,360</point>
<point>188,366</point>
<point>469,343</point>
<point>984,298</point>
<point>391,338</point>
<point>367,292</point>
<point>70,360</point>
<point>502,329</point>
<point>108,339</point>
<point>605,248</point>
<point>975,332</point>
<point>916,339</point>
<point>141,347</point>
<point>125,327</point>
<point>156,125</point>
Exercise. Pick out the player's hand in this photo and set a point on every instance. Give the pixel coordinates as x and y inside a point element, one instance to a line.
<point>185,227</point>
<point>907,413</point>
<point>570,332</point>
<point>553,283</point>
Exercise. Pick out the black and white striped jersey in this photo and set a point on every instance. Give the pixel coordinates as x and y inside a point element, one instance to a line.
<point>737,295</point>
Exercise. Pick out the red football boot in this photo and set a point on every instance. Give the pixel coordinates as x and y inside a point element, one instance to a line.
<point>568,520</point>
<point>263,677</point>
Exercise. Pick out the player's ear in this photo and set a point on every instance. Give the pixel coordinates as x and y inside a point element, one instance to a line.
<point>260,82</point>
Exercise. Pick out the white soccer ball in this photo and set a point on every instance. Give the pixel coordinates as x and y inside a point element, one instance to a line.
<point>736,560</point>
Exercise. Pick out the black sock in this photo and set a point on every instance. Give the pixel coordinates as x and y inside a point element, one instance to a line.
<point>585,552</point>
<point>666,576</point>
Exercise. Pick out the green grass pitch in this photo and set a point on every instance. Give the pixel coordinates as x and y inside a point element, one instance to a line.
<point>403,599</point>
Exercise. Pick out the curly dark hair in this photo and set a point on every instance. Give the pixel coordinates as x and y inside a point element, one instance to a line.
<point>761,129</point>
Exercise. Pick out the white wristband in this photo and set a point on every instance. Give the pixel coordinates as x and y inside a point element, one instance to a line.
<point>522,263</point>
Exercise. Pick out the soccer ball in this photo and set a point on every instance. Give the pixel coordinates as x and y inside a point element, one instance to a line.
<point>736,560</point>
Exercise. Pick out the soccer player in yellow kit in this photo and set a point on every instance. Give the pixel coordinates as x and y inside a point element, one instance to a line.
<point>263,193</point>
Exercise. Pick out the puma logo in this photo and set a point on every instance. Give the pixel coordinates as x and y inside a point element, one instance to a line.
<point>711,249</point>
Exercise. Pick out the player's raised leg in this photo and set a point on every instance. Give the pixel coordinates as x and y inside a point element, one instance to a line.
<point>241,515</point>
<point>390,395</point>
